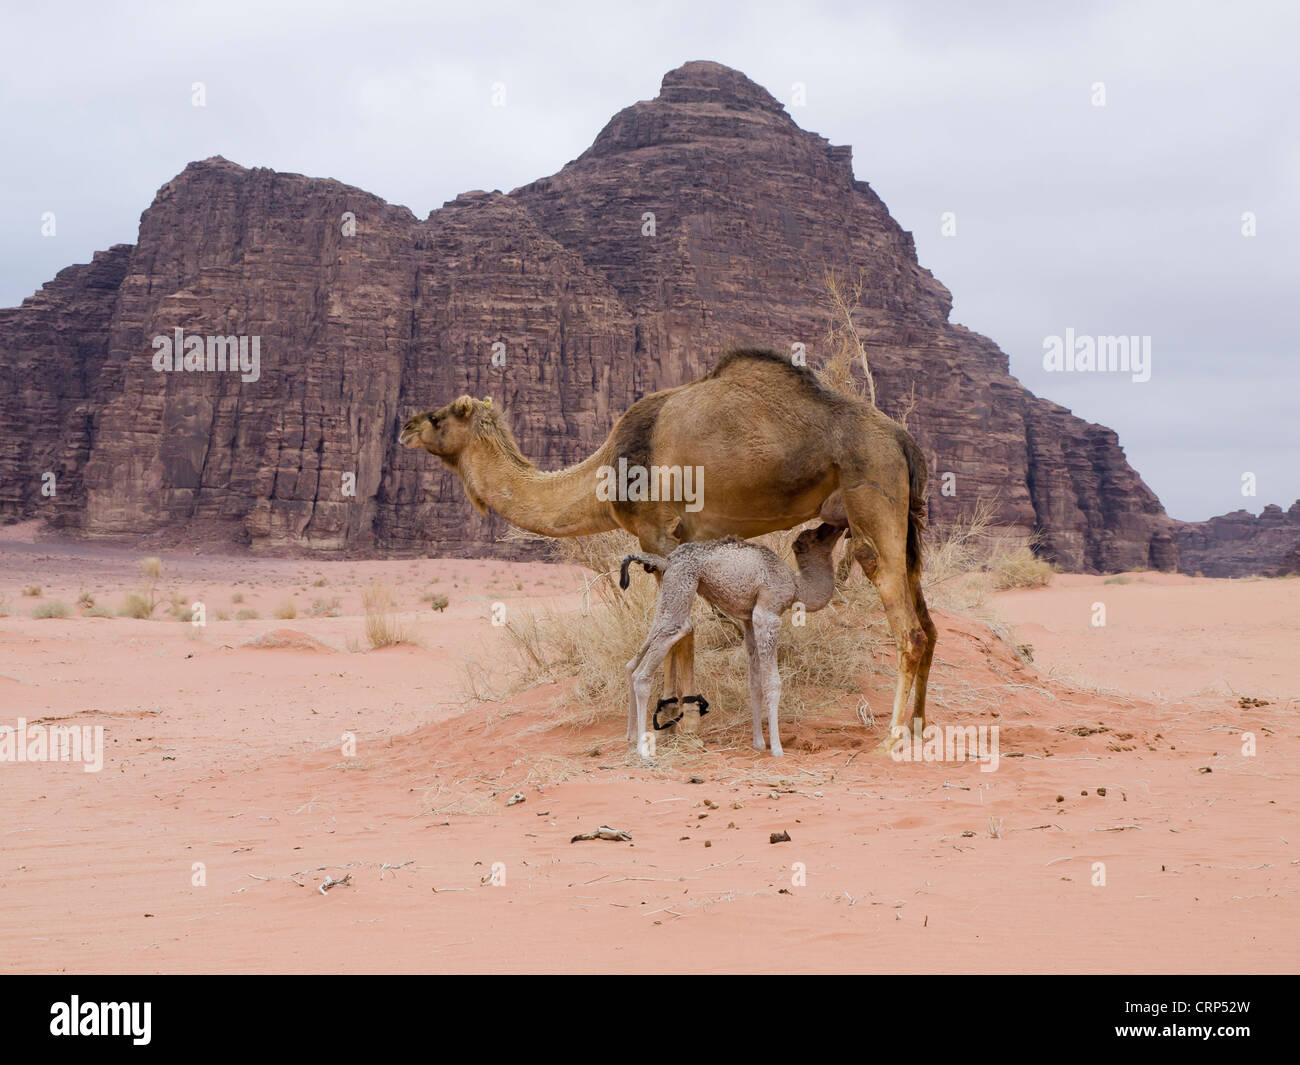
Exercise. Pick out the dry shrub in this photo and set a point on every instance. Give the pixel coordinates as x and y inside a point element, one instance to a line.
<point>287,610</point>
<point>821,661</point>
<point>54,609</point>
<point>325,608</point>
<point>151,570</point>
<point>842,342</point>
<point>1020,568</point>
<point>384,628</point>
<point>135,605</point>
<point>433,598</point>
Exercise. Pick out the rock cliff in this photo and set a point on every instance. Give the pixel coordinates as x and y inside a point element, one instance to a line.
<point>1242,545</point>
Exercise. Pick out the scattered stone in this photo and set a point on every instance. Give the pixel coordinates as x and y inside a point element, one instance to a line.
<point>779,837</point>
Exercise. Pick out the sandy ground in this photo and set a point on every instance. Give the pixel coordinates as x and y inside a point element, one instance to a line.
<point>227,795</point>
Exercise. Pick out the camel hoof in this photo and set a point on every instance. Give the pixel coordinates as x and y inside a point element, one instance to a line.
<point>759,745</point>
<point>777,752</point>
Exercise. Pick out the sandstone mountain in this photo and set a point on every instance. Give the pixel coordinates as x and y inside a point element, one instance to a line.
<point>1241,545</point>
<point>703,218</point>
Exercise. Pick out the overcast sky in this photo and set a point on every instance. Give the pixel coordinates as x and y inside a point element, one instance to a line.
<point>1119,219</point>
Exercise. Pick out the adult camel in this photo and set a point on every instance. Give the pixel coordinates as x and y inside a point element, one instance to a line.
<point>755,446</point>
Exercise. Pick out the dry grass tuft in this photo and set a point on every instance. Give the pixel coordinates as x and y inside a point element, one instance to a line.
<point>55,608</point>
<point>325,608</point>
<point>384,627</point>
<point>135,605</point>
<point>1020,568</point>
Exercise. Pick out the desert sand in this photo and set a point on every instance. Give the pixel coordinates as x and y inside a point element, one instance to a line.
<point>232,755</point>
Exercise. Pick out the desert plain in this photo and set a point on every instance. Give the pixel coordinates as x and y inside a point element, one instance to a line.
<point>276,795</point>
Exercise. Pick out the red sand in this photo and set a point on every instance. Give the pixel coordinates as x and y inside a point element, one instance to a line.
<point>231,756</point>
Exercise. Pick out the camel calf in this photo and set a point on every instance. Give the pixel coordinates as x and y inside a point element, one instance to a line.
<point>745,581</point>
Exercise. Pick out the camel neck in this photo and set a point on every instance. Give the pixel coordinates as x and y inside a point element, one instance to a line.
<point>558,503</point>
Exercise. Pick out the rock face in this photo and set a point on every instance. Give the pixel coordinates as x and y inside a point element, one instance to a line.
<point>701,219</point>
<point>52,350</point>
<point>1242,545</point>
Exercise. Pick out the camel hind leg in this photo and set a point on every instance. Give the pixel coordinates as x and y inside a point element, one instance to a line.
<point>931,638</point>
<point>878,524</point>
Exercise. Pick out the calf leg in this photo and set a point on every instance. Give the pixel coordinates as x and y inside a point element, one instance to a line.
<point>755,686</point>
<point>662,639</point>
<point>767,633</point>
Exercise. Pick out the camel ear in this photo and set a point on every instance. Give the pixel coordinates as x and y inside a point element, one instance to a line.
<point>463,407</point>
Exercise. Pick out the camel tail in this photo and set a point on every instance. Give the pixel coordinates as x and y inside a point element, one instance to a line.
<point>651,564</point>
<point>917,477</point>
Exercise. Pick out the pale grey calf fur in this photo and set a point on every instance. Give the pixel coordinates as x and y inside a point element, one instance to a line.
<point>748,583</point>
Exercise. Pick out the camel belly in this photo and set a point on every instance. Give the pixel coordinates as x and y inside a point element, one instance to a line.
<point>758,507</point>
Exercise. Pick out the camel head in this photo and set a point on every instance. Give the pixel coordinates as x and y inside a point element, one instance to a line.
<point>446,432</point>
<point>814,545</point>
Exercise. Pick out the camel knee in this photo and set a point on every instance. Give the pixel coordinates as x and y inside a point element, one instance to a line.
<point>868,560</point>
<point>912,647</point>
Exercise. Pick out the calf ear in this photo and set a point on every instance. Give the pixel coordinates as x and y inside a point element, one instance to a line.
<point>463,407</point>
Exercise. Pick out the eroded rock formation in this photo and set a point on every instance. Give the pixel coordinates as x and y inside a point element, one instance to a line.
<point>1241,544</point>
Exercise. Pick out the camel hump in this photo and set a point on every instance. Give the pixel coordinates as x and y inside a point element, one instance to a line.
<point>747,360</point>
